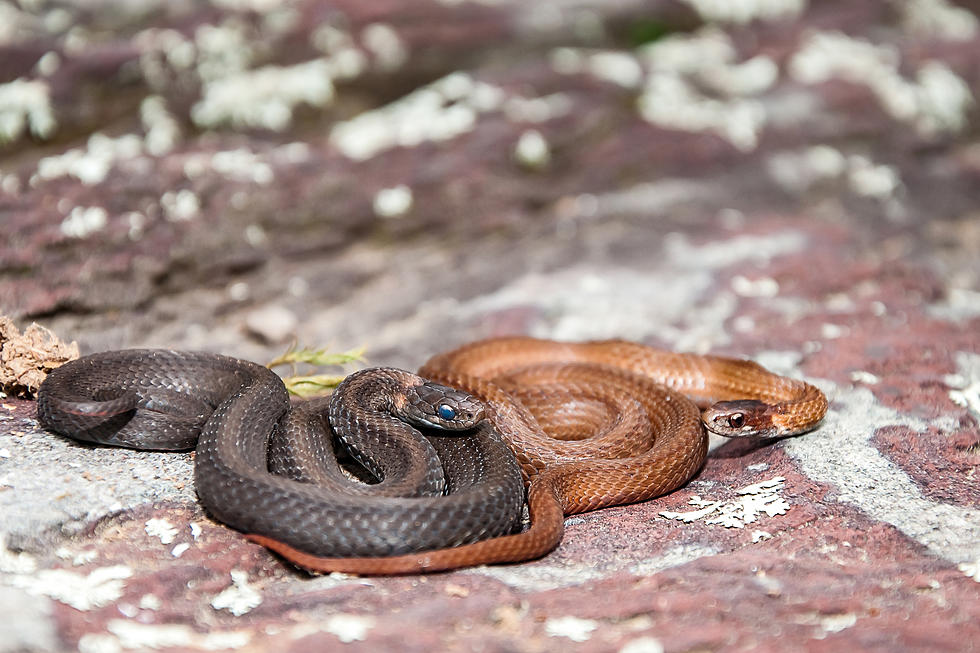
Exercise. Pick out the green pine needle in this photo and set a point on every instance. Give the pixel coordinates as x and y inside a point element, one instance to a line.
<point>312,385</point>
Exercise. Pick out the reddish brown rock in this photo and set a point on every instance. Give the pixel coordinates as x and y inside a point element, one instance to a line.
<point>781,191</point>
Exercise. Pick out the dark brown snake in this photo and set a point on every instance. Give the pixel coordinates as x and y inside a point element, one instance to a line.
<point>591,425</point>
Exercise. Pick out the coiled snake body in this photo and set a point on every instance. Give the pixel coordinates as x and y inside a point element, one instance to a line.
<point>591,425</point>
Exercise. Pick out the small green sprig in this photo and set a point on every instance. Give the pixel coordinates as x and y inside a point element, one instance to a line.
<point>311,385</point>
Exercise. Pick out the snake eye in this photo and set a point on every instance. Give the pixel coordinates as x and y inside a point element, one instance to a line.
<point>446,412</point>
<point>736,421</point>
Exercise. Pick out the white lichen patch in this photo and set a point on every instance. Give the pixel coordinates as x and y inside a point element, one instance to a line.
<point>531,150</point>
<point>83,221</point>
<point>537,109</point>
<point>100,587</point>
<point>256,235</point>
<point>671,102</point>
<point>179,206</point>
<point>264,98</point>
<point>25,105</point>
<point>971,569</point>
<point>679,66</point>
<point>242,165</point>
<point>761,287</point>
<point>150,602</point>
<point>91,164</point>
<point>938,19</point>
<point>10,184</point>
<point>219,51</point>
<point>251,5</point>
<point>239,291</point>
<point>393,202</point>
<point>835,623</point>
<point>868,179</point>
<point>567,61</point>
<point>133,636</point>
<point>760,536</point>
<point>330,39</point>
<point>743,324</point>
<point>575,629</point>
<point>15,563</point>
<point>967,396</point>
<point>292,153</point>
<point>619,68</point>
<point>965,384</point>
<point>827,623</point>
<point>384,44</point>
<point>137,224</point>
<point>746,11</point>
<point>751,77</point>
<point>84,557</point>
<point>864,377</point>
<point>162,529</point>
<point>958,305</point>
<point>161,128</point>
<point>799,171</point>
<point>644,644</point>
<point>346,60</point>
<point>239,597</point>
<point>440,111</point>
<point>937,101</point>
<point>163,51</point>
<point>349,627</point>
<point>689,54</point>
<point>456,3</point>
<point>16,25</point>
<point>831,331</point>
<point>755,499</point>
<point>722,253</point>
<point>48,64</point>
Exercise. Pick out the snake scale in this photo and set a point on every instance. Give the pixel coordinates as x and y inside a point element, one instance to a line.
<point>446,454</point>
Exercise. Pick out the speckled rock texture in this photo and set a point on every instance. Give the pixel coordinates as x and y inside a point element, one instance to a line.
<point>794,182</point>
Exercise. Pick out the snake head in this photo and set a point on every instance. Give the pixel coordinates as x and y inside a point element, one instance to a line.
<point>439,406</point>
<point>740,418</point>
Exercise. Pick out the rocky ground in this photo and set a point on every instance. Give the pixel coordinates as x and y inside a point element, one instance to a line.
<point>794,182</point>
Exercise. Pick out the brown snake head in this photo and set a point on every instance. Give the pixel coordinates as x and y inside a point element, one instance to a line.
<point>439,406</point>
<point>741,418</point>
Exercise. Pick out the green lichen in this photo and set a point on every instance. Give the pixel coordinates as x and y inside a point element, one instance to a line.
<point>645,31</point>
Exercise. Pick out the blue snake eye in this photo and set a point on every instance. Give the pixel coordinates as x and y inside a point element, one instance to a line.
<point>446,412</point>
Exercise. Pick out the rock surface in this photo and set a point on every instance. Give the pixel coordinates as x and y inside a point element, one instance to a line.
<point>794,182</point>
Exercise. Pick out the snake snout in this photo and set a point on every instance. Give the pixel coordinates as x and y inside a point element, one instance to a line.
<point>443,407</point>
